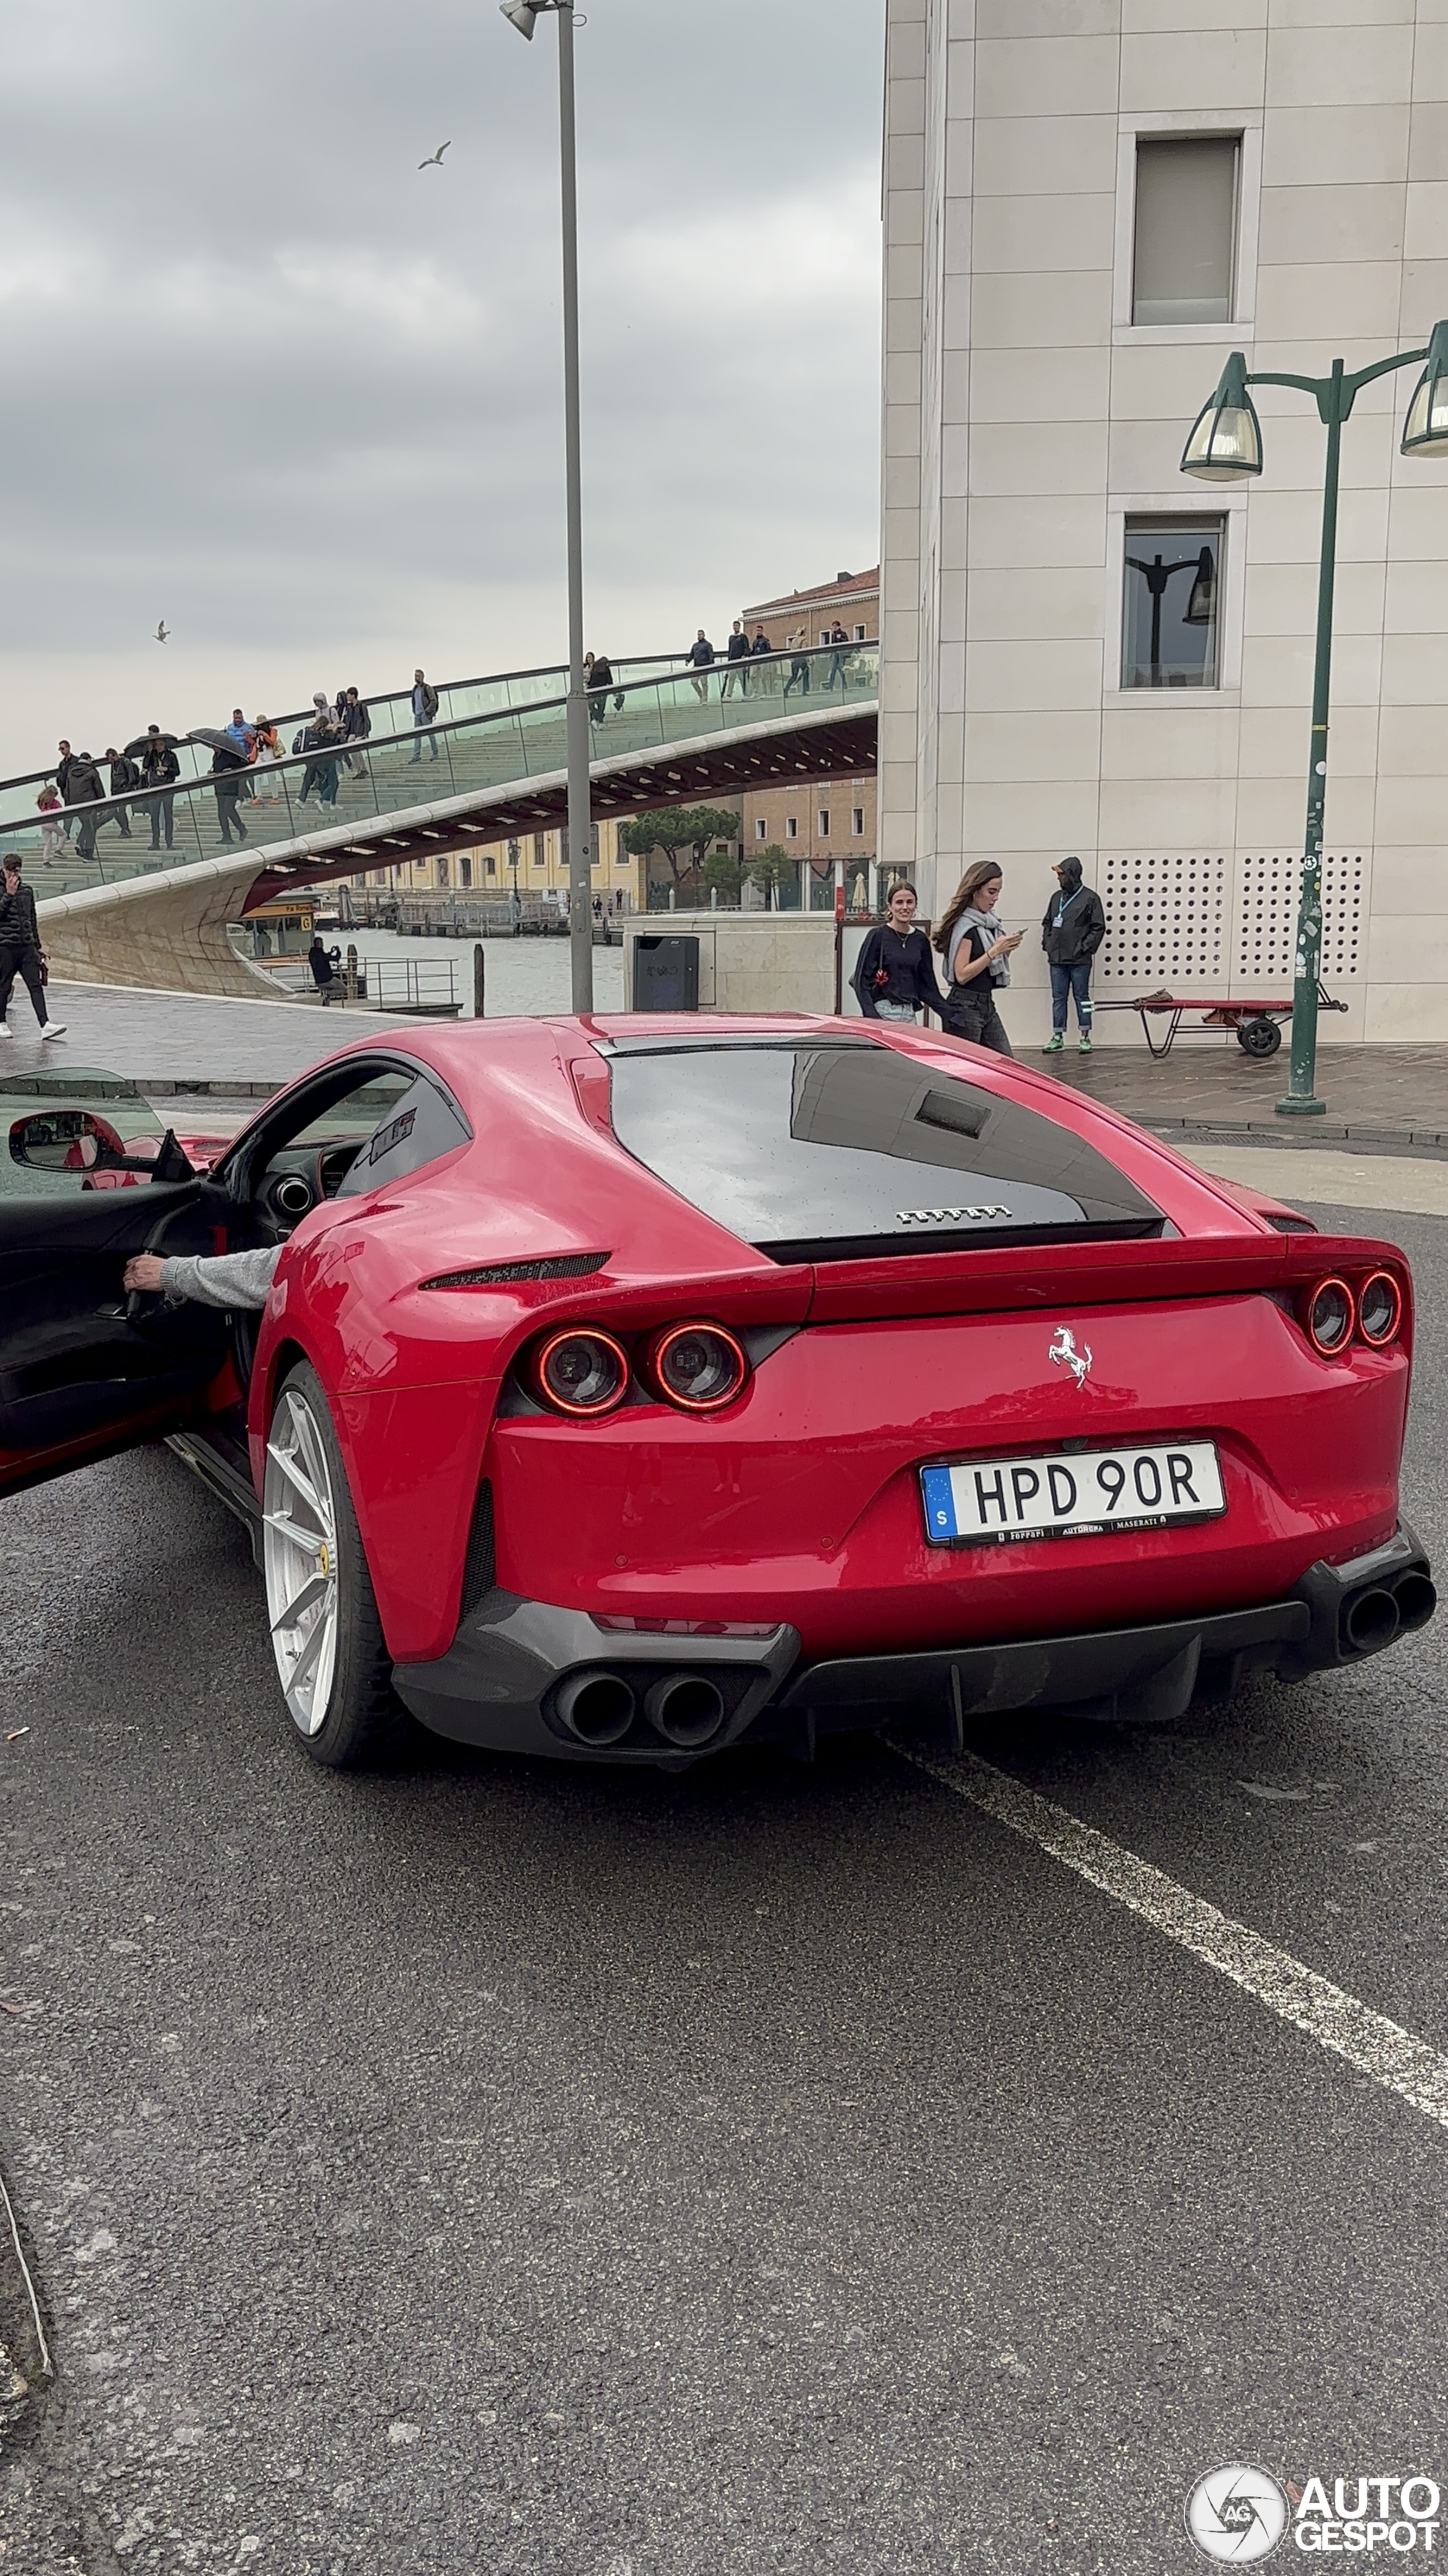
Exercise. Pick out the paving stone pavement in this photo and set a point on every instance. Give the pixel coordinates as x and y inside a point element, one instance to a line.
<point>191,1041</point>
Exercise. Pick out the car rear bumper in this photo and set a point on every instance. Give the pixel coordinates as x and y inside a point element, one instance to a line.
<point>519,1675</point>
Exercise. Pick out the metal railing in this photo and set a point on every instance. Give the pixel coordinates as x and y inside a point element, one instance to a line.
<point>355,784</point>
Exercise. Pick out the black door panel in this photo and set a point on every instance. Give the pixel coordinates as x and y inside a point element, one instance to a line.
<point>78,1360</point>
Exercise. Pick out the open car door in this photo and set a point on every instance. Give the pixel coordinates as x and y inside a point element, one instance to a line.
<point>88,1177</point>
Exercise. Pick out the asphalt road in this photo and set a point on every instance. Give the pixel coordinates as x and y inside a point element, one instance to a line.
<point>505,2171</point>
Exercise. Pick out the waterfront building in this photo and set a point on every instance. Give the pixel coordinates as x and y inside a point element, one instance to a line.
<point>1088,205</point>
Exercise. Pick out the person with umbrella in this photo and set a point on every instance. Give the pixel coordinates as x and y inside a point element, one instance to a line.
<point>160,769</point>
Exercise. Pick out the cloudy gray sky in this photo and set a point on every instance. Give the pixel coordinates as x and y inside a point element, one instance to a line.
<point>265,379</point>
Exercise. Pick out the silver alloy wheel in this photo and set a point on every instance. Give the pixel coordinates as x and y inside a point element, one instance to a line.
<point>299,1553</point>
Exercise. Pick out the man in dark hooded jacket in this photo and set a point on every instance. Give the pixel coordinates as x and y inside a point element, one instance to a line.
<point>1071,933</point>
<point>84,785</point>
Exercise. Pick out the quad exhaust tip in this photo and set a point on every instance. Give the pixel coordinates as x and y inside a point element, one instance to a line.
<point>598,1709</point>
<point>1372,1619</point>
<point>686,1709</point>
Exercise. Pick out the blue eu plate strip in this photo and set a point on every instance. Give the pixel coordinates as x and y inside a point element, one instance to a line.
<point>940,1520</point>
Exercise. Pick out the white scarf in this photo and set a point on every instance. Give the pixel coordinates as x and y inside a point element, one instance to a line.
<point>999,970</point>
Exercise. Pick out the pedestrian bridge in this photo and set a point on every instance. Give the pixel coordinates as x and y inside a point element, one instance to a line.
<point>493,765</point>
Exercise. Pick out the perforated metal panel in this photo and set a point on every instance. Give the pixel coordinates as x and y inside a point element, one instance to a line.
<point>1267,917</point>
<point>1166,919</point>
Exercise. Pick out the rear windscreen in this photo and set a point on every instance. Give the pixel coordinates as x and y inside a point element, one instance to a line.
<point>833,1152</point>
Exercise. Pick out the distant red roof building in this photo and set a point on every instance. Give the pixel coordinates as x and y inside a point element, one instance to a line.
<point>853,597</point>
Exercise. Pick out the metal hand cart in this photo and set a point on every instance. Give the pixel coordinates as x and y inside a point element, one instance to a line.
<point>1256,1025</point>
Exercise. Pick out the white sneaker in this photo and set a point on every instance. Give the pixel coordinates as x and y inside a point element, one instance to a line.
<point>53,1029</point>
<point>5,1030</point>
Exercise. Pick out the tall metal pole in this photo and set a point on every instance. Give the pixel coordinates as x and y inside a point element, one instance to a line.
<point>580,819</point>
<point>1301,1100</point>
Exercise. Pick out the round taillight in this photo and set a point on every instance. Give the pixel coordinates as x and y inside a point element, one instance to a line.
<point>1330,1317</point>
<point>582,1373</point>
<point>699,1366</point>
<point>1379,1308</point>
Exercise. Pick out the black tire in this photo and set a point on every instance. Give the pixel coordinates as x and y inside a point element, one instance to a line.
<point>1259,1036</point>
<point>358,1719</point>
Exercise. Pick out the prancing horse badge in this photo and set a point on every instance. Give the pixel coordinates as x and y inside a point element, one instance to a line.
<point>1066,1355</point>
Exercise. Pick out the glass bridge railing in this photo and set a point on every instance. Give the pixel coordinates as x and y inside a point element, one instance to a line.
<point>390,714</point>
<point>355,784</point>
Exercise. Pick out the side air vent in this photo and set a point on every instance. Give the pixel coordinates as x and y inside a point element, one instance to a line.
<point>501,1274</point>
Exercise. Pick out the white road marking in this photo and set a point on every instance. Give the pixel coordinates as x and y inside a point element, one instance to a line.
<point>1409,1185</point>
<point>1296,1993</point>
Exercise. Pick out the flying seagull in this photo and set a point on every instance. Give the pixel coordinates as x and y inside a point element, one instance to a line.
<point>162,631</point>
<point>434,159</point>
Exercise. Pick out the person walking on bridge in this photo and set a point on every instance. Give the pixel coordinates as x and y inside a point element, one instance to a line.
<point>54,838</point>
<point>799,665</point>
<point>83,786</point>
<point>20,950</point>
<point>160,770</point>
<point>320,736</point>
<point>356,728</point>
<point>228,769</point>
<point>768,681</point>
<point>701,655</point>
<point>736,654</point>
<point>424,708</point>
<point>124,776</point>
<point>597,680</point>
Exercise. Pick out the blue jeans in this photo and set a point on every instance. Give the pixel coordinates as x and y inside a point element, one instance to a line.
<point>1065,980</point>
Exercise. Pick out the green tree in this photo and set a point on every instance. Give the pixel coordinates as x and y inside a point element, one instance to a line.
<point>723,875</point>
<point>683,834</point>
<point>771,869</point>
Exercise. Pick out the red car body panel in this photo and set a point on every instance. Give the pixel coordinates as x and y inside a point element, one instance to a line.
<point>801,1502</point>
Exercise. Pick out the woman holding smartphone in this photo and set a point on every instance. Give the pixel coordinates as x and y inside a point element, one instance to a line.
<point>976,952</point>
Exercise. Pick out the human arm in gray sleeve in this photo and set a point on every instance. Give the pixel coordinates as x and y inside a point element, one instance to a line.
<point>227,1279</point>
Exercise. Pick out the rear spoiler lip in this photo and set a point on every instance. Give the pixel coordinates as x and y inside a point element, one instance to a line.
<point>1149,1273</point>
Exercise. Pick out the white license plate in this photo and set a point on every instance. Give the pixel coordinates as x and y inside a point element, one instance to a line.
<point>1074,1493</point>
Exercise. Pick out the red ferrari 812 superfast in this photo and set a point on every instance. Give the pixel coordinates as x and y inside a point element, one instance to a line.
<point>631,1388</point>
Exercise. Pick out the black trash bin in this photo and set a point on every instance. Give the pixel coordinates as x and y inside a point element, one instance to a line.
<point>666,972</point>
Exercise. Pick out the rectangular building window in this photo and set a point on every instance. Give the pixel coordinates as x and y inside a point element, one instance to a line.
<point>1170,603</point>
<point>490,865</point>
<point>761,828</point>
<point>824,821</point>
<point>857,821</point>
<point>859,634</point>
<point>540,849</point>
<point>467,871</point>
<point>791,829</point>
<point>1186,229</point>
<point>442,872</point>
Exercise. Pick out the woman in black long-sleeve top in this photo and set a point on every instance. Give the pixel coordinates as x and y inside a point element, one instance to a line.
<point>894,975</point>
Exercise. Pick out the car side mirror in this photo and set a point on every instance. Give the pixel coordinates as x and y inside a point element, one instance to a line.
<point>75,1140</point>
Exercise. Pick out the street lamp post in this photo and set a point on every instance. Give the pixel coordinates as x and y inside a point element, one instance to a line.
<point>1225,446</point>
<point>522,14</point>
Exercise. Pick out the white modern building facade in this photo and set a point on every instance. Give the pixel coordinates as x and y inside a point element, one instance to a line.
<point>1088,205</point>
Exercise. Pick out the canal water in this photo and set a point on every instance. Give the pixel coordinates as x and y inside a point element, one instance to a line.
<point>524,977</point>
